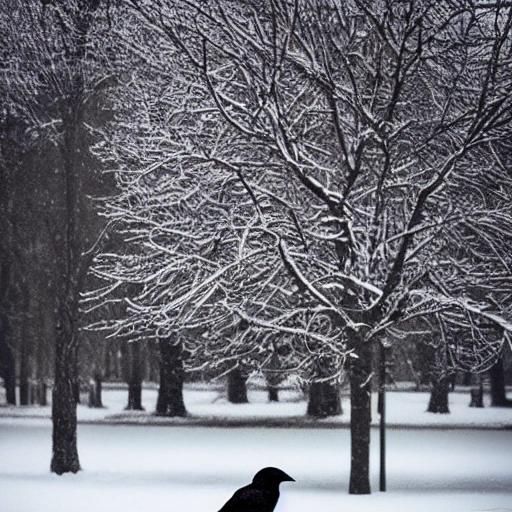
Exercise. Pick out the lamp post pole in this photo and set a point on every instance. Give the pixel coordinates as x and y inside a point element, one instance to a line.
<point>382,412</point>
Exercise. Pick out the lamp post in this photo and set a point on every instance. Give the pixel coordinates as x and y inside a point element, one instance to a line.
<point>382,413</point>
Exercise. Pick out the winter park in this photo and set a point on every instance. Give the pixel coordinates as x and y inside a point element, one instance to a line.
<point>256,255</point>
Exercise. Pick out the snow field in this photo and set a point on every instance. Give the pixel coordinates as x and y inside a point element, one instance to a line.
<point>146,468</point>
<point>404,409</point>
<point>132,468</point>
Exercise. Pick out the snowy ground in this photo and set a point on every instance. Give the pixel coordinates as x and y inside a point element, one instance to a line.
<point>145,468</point>
<point>209,406</point>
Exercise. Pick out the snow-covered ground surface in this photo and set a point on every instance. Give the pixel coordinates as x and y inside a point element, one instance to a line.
<point>147,467</point>
<point>209,406</point>
<point>135,468</point>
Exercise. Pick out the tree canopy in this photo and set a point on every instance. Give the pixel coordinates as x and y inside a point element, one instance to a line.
<point>318,172</point>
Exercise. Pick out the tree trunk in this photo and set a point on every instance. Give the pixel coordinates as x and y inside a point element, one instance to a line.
<point>7,365</point>
<point>95,388</point>
<point>273,393</point>
<point>134,396</point>
<point>439,395</point>
<point>170,393</point>
<point>24,374</point>
<point>66,385</point>
<point>134,377</point>
<point>497,377</point>
<point>7,370</point>
<point>43,352</point>
<point>70,270</point>
<point>274,376</point>
<point>65,452</point>
<point>42,393</point>
<point>237,388</point>
<point>477,396</point>
<point>324,400</point>
<point>360,371</point>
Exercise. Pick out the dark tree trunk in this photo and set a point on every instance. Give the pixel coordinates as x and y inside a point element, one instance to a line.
<point>66,384</point>
<point>170,394</point>
<point>71,269</point>
<point>33,392</point>
<point>237,388</point>
<point>274,375</point>
<point>95,389</point>
<point>24,375</point>
<point>7,365</point>
<point>477,397</point>
<point>24,351</point>
<point>360,371</point>
<point>42,393</point>
<point>134,396</point>
<point>114,362</point>
<point>273,393</point>
<point>7,370</point>
<point>439,395</point>
<point>324,400</point>
<point>134,377</point>
<point>467,379</point>
<point>108,363</point>
<point>65,452</point>
<point>497,378</point>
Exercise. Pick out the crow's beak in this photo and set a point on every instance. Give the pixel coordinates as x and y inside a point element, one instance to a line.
<point>288,478</point>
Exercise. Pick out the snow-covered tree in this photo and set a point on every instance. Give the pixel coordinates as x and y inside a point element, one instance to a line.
<point>320,169</point>
<point>52,76</point>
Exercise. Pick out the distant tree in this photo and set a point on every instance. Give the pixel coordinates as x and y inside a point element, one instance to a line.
<point>324,393</point>
<point>497,383</point>
<point>170,394</point>
<point>133,374</point>
<point>7,363</point>
<point>14,146</point>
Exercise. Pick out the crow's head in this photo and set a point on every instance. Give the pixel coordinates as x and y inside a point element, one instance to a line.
<point>271,476</point>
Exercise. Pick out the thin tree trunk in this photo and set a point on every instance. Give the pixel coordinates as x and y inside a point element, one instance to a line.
<point>42,392</point>
<point>134,377</point>
<point>273,376</point>
<point>24,382</point>
<point>95,389</point>
<point>360,406</point>
<point>170,394</point>
<point>98,390</point>
<point>7,369</point>
<point>42,353</point>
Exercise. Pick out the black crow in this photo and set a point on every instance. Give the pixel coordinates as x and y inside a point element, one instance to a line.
<point>259,496</point>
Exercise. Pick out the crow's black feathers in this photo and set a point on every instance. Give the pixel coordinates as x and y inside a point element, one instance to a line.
<point>259,496</point>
